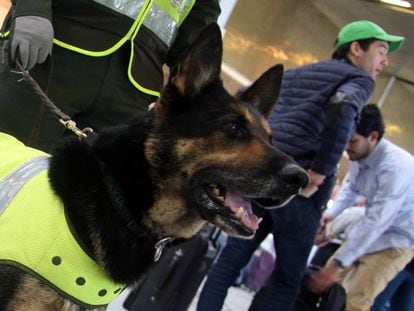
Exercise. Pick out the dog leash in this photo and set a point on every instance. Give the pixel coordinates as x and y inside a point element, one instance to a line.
<point>64,119</point>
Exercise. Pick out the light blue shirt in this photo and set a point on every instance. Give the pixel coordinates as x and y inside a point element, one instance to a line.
<point>386,179</point>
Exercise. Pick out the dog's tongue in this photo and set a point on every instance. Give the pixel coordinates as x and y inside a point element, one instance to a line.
<point>243,210</point>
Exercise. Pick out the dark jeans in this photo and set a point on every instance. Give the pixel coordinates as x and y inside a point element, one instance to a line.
<point>398,295</point>
<point>294,228</point>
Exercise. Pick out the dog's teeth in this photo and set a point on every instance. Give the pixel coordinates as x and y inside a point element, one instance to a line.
<point>220,198</point>
<point>259,220</point>
<point>239,212</point>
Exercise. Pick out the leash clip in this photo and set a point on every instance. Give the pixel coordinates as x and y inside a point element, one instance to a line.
<point>71,125</point>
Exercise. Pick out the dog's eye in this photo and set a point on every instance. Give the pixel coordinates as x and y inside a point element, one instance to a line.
<point>231,128</point>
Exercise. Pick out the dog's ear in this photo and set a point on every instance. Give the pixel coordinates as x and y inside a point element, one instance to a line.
<point>202,64</point>
<point>265,90</point>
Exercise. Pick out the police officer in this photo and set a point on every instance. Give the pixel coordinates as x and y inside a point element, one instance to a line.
<point>107,61</point>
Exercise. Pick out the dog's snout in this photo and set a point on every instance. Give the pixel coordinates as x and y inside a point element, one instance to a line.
<point>294,177</point>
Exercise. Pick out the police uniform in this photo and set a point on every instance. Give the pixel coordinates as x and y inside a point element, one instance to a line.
<point>106,62</point>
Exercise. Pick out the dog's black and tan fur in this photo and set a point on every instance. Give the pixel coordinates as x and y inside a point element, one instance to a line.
<point>165,174</point>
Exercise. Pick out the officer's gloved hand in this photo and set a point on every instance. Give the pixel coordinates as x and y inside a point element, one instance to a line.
<point>31,40</point>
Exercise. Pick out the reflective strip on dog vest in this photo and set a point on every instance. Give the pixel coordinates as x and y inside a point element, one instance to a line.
<point>12,183</point>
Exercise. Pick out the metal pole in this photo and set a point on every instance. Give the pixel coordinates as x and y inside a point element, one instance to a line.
<point>386,91</point>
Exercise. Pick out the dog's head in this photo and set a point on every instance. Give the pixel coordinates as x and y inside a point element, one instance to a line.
<point>210,151</point>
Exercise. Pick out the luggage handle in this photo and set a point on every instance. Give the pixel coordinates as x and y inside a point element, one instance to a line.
<point>215,234</point>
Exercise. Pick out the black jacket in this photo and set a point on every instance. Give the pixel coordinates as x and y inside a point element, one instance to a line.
<point>92,26</point>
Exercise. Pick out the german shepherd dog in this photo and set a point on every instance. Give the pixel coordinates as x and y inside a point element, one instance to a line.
<point>200,155</point>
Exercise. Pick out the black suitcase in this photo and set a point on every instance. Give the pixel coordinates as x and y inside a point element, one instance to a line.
<point>173,282</point>
<point>333,299</point>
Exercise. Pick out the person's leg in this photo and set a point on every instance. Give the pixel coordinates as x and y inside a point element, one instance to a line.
<point>294,232</point>
<point>381,302</point>
<point>235,255</point>
<point>370,274</point>
<point>403,299</point>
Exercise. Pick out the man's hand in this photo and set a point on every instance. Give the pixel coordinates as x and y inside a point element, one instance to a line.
<point>325,219</point>
<point>322,280</point>
<point>31,40</point>
<point>315,180</point>
<point>322,237</point>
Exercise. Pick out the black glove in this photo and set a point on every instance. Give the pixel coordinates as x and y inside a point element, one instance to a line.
<point>31,40</point>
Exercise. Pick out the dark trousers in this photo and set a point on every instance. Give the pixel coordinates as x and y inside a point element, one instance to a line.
<point>398,295</point>
<point>94,91</point>
<point>294,228</point>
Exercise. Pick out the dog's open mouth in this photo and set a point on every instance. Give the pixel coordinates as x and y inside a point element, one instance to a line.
<point>239,207</point>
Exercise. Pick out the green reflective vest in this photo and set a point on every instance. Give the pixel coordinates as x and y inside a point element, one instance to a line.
<point>100,27</point>
<point>161,19</point>
<point>34,233</point>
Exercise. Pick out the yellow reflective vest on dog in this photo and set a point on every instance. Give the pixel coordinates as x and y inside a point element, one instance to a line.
<point>34,233</point>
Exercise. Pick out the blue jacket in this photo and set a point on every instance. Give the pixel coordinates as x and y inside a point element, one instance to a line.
<point>317,112</point>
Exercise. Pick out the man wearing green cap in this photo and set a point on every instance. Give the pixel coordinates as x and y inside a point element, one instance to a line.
<point>367,30</point>
<point>312,121</point>
<point>366,45</point>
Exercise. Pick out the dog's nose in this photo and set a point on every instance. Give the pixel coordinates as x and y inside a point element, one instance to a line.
<point>294,177</point>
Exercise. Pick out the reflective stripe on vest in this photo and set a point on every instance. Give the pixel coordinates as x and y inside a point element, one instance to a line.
<point>163,18</point>
<point>130,8</point>
<point>13,182</point>
<point>4,35</point>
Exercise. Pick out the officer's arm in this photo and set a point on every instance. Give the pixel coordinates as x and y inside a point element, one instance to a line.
<point>42,8</point>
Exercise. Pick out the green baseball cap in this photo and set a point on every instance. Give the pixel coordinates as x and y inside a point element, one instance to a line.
<point>366,30</point>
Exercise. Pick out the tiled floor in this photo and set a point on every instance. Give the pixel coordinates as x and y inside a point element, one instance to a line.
<point>116,305</point>
<point>237,300</point>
